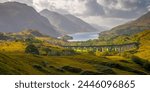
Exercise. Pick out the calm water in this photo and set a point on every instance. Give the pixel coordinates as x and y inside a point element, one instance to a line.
<point>84,36</point>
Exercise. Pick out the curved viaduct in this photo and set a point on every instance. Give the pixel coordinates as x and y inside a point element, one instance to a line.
<point>103,48</point>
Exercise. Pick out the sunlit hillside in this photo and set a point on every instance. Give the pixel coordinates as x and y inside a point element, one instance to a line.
<point>144,49</point>
<point>12,46</point>
<point>44,55</point>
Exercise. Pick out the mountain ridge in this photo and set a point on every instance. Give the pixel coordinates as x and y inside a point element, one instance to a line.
<point>65,24</point>
<point>16,17</point>
<point>130,28</point>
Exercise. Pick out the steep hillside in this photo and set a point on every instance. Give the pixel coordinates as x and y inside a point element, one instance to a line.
<point>7,46</point>
<point>133,27</point>
<point>85,26</point>
<point>143,38</point>
<point>67,24</point>
<point>100,28</point>
<point>144,49</point>
<point>15,17</point>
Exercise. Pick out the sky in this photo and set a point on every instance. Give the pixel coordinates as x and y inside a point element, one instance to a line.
<point>109,13</point>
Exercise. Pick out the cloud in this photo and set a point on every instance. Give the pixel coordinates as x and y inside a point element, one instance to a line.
<point>124,8</point>
<point>108,11</point>
<point>148,7</point>
<point>124,5</point>
<point>105,21</point>
<point>1,1</point>
<point>94,9</point>
<point>72,6</point>
<point>107,8</point>
<point>29,2</point>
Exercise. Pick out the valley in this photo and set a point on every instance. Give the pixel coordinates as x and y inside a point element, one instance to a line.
<point>47,56</point>
<point>85,36</point>
<point>50,43</point>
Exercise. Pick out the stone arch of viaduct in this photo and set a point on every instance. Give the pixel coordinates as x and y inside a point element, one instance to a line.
<point>103,48</point>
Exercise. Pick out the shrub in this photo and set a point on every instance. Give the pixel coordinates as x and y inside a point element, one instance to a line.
<point>44,63</point>
<point>105,69</point>
<point>54,53</point>
<point>40,68</point>
<point>32,49</point>
<point>146,66</point>
<point>106,53</point>
<point>91,73</point>
<point>126,55</point>
<point>72,69</point>
<point>121,67</point>
<point>137,60</point>
<point>68,52</point>
<point>98,53</point>
<point>57,69</point>
<point>144,63</point>
<point>47,50</point>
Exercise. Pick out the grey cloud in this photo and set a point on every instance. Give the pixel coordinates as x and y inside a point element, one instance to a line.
<point>125,8</point>
<point>105,8</point>
<point>93,8</point>
<point>24,1</point>
<point>1,1</point>
<point>29,2</point>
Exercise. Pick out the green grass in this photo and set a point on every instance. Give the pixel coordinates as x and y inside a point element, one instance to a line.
<point>144,40</point>
<point>13,60</point>
<point>12,63</point>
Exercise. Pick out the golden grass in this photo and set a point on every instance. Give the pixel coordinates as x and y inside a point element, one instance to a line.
<point>12,46</point>
<point>144,50</point>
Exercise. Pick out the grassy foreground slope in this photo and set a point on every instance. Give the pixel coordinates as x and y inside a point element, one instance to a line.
<point>62,65</point>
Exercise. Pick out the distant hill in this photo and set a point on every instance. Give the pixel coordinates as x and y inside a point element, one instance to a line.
<point>133,27</point>
<point>15,17</point>
<point>67,24</point>
<point>30,36</point>
<point>3,37</point>
<point>100,28</point>
<point>12,36</point>
<point>34,33</point>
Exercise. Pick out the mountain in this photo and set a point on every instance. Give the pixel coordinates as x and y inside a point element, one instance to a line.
<point>133,27</point>
<point>84,26</point>
<point>100,28</point>
<point>15,17</point>
<point>67,24</point>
